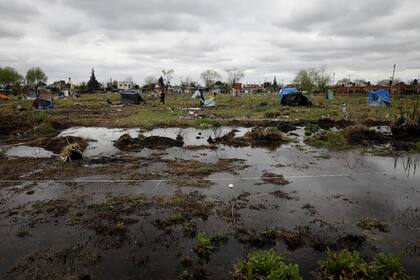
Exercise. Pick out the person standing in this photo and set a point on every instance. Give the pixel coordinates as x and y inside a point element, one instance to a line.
<point>162,90</point>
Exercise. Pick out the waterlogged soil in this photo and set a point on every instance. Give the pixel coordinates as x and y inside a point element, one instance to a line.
<point>136,214</point>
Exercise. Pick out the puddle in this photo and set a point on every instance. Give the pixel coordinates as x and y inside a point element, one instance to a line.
<point>103,138</point>
<point>26,151</point>
<point>339,188</point>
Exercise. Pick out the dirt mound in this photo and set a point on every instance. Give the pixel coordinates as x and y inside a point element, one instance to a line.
<point>128,143</point>
<point>274,179</point>
<point>10,126</point>
<point>329,123</point>
<point>407,125</point>
<point>229,140</point>
<point>157,142</point>
<point>57,144</point>
<point>362,135</point>
<point>259,137</point>
<point>286,127</point>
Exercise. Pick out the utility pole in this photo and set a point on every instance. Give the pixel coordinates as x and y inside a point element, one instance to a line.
<point>392,78</point>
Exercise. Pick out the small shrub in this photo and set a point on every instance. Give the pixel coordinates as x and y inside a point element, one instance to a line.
<point>407,124</point>
<point>344,265</point>
<point>45,128</point>
<point>328,139</point>
<point>387,267</point>
<point>190,230</point>
<point>349,265</point>
<point>264,266</point>
<point>266,134</point>
<point>23,233</point>
<point>362,135</point>
<point>372,224</point>
<point>204,247</point>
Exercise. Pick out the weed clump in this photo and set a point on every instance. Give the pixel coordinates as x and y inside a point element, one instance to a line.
<point>206,245</point>
<point>372,224</point>
<point>362,135</point>
<point>328,139</point>
<point>350,265</point>
<point>344,265</point>
<point>274,179</point>
<point>264,266</point>
<point>407,125</point>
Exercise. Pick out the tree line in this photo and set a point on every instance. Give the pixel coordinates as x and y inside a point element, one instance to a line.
<point>34,77</point>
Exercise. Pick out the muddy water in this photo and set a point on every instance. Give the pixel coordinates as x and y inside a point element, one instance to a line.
<point>341,188</point>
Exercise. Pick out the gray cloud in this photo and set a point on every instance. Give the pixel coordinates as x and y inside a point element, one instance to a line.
<point>122,38</point>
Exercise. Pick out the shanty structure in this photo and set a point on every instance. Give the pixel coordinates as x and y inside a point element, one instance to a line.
<point>379,98</point>
<point>131,97</point>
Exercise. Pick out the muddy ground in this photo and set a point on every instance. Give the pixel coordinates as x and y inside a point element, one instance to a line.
<point>135,214</point>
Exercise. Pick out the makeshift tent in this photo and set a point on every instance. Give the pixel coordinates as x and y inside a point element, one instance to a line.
<point>286,91</point>
<point>379,98</point>
<point>3,97</point>
<point>131,97</point>
<point>295,99</point>
<point>292,97</point>
<point>43,102</point>
<point>209,103</point>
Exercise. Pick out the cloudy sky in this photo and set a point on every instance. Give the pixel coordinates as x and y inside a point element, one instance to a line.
<point>267,38</point>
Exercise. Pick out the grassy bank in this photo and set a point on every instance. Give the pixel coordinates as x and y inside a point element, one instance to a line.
<point>93,110</point>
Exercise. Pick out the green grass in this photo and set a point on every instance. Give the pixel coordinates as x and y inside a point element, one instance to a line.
<point>92,110</point>
<point>418,146</point>
<point>350,265</point>
<point>328,139</point>
<point>266,266</point>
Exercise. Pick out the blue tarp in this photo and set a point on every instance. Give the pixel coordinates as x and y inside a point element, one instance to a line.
<point>379,98</point>
<point>286,91</point>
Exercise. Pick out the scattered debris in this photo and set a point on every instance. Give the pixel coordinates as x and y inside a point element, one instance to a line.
<point>274,179</point>
<point>372,224</point>
<point>71,152</point>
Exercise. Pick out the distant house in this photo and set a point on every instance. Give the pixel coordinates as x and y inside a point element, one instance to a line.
<point>236,89</point>
<point>219,89</point>
<point>60,85</point>
<point>125,85</point>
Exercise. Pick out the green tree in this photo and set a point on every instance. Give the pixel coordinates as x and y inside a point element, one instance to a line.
<point>93,85</point>
<point>320,78</point>
<point>36,77</point>
<point>9,76</point>
<point>313,79</point>
<point>304,80</point>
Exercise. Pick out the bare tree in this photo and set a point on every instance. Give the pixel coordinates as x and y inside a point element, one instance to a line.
<point>234,75</point>
<point>210,77</point>
<point>167,77</point>
<point>150,81</point>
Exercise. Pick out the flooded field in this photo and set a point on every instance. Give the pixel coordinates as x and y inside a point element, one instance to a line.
<point>139,214</point>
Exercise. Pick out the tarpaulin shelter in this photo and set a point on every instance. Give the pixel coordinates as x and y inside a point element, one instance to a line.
<point>3,97</point>
<point>131,97</point>
<point>379,98</point>
<point>293,97</point>
<point>286,91</point>
<point>43,102</point>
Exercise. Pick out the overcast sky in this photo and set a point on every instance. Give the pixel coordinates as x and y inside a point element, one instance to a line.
<point>267,38</point>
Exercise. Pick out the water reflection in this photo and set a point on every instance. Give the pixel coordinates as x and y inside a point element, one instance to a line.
<point>409,164</point>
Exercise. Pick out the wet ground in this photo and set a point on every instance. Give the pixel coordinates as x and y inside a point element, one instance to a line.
<point>135,215</point>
